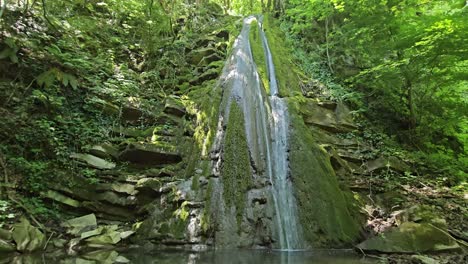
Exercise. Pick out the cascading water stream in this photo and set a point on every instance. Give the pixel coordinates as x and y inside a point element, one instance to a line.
<point>282,186</point>
<point>266,125</point>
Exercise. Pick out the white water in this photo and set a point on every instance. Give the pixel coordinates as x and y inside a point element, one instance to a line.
<point>266,123</point>
<point>282,186</point>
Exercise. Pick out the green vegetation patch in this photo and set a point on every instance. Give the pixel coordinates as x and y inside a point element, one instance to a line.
<point>287,74</point>
<point>326,215</point>
<point>236,171</point>
<point>259,54</point>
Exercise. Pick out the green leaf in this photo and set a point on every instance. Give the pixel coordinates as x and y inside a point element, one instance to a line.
<point>46,78</point>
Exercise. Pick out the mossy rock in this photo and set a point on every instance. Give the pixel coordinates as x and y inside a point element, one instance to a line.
<point>174,106</point>
<point>27,237</point>
<point>328,217</point>
<point>411,237</point>
<point>81,224</point>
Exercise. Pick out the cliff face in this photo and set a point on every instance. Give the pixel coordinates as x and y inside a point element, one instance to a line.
<point>175,144</point>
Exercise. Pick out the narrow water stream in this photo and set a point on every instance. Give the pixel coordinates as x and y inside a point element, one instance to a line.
<point>282,186</point>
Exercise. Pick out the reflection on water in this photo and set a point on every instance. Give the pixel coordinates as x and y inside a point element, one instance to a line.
<point>208,257</point>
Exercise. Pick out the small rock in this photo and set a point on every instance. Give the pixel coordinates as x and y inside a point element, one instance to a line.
<point>91,233</point>
<point>109,237</point>
<point>77,226</point>
<point>27,237</point>
<point>59,243</point>
<point>126,234</point>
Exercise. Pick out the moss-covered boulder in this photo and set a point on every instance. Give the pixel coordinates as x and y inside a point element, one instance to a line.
<point>204,56</point>
<point>387,163</point>
<point>79,225</point>
<point>327,213</point>
<point>27,237</point>
<point>411,237</point>
<point>174,106</point>
<point>333,117</point>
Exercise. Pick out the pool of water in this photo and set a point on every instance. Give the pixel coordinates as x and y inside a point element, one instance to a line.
<point>206,257</point>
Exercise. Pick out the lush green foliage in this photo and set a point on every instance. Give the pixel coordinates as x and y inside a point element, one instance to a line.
<point>404,63</point>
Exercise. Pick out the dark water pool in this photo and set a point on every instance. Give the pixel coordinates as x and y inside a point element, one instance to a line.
<point>208,257</point>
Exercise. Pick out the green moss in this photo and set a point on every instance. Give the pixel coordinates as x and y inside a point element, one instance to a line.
<point>287,73</point>
<point>325,212</point>
<point>259,54</point>
<point>235,171</point>
<point>206,217</point>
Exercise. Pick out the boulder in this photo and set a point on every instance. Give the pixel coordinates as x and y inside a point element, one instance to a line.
<point>174,106</point>
<point>149,154</point>
<point>27,237</point>
<point>131,114</point>
<point>6,246</point>
<point>126,234</point>
<point>411,237</point>
<point>207,75</point>
<point>79,225</point>
<point>92,233</point>
<point>58,242</point>
<point>104,151</point>
<point>420,214</point>
<point>387,162</point>
<point>93,161</point>
<point>108,237</point>
<point>196,56</point>
<point>335,118</point>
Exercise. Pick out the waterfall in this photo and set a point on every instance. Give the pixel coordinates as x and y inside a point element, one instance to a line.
<point>266,126</point>
<point>282,186</point>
